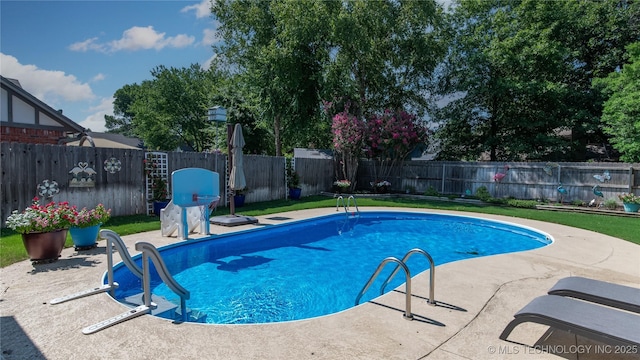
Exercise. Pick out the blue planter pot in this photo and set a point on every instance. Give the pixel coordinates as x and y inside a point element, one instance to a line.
<point>84,238</point>
<point>159,205</point>
<point>632,208</point>
<point>238,200</point>
<point>294,193</point>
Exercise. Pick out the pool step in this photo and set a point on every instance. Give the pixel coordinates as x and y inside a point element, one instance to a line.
<point>164,307</point>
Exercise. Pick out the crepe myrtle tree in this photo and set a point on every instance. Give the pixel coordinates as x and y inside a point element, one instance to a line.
<point>387,139</point>
<point>349,132</point>
<point>391,137</point>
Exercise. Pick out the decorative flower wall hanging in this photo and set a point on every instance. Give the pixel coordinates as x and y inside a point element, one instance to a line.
<point>48,188</point>
<point>112,165</point>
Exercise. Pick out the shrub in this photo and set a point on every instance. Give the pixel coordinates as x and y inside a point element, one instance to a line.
<point>527,204</point>
<point>611,204</point>
<point>483,194</point>
<point>431,192</point>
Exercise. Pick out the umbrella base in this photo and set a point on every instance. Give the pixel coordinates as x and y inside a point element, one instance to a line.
<point>233,220</point>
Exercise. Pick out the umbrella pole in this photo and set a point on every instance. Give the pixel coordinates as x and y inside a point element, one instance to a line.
<point>232,204</point>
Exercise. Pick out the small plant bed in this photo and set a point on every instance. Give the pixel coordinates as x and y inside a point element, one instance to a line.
<point>588,210</point>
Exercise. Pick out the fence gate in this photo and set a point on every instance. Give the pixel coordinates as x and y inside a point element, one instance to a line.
<point>157,172</point>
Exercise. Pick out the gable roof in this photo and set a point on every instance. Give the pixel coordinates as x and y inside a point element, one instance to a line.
<point>14,87</point>
<point>109,140</point>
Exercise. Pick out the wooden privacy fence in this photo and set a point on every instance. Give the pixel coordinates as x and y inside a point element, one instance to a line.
<point>87,176</point>
<point>523,180</point>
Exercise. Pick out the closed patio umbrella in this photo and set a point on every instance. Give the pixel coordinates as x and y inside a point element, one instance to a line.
<point>237,180</point>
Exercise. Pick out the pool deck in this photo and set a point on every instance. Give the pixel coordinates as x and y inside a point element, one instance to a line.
<point>476,300</point>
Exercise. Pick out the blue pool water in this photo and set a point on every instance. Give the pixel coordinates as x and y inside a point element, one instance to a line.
<point>317,267</point>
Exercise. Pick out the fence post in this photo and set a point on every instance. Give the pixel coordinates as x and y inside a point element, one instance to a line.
<point>443,175</point>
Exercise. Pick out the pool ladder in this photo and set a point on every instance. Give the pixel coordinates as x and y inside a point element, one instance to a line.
<point>148,252</point>
<point>347,204</point>
<point>402,264</point>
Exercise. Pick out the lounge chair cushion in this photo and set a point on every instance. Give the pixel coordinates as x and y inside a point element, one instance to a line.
<point>601,292</point>
<point>601,323</point>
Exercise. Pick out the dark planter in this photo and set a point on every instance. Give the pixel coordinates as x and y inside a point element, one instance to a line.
<point>238,200</point>
<point>294,193</point>
<point>85,238</point>
<point>159,205</point>
<point>45,246</point>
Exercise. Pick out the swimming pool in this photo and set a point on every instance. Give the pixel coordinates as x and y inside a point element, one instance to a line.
<point>317,267</point>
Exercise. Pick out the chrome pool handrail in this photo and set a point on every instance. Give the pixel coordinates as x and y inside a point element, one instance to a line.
<point>432,273</point>
<point>347,204</point>
<point>407,312</point>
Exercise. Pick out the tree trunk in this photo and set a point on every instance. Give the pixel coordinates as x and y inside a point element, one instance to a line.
<point>276,133</point>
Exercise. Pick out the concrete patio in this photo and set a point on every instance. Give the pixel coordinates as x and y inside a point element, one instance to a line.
<point>477,299</point>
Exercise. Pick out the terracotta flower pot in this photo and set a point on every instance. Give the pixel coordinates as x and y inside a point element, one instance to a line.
<point>44,246</point>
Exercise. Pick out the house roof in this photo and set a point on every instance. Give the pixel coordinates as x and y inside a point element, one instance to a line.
<point>312,153</point>
<point>14,86</point>
<point>109,140</point>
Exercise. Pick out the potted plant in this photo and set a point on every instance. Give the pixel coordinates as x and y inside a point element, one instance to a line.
<point>293,183</point>
<point>630,202</point>
<point>159,194</point>
<point>86,226</point>
<point>238,197</point>
<point>381,186</point>
<point>43,228</point>
<point>342,186</point>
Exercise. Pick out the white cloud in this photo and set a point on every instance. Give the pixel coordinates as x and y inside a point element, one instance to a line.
<point>133,39</point>
<point>202,9</point>
<point>98,77</point>
<point>209,37</point>
<point>207,63</point>
<point>50,86</point>
<point>95,121</point>
<point>89,44</point>
<point>145,38</point>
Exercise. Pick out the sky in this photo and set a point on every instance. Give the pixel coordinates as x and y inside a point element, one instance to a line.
<point>74,55</point>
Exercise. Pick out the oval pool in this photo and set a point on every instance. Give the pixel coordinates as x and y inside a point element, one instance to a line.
<point>318,266</point>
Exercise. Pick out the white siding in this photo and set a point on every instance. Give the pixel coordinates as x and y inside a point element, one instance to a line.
<point>22,112</point>
<point>4,106</point>
<point>46,120</point>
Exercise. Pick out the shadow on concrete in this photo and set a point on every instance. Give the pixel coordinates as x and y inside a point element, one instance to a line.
<point>15,343</point>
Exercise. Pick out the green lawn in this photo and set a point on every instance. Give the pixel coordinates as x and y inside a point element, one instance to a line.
<point>12,250</point>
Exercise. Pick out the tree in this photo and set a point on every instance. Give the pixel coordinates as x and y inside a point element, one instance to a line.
<point>121,121</point>
<point>349,133</point>
<point>383,54</point>
<point>621,112</point>
<point>391,137</point>
<point>519,74</point>
<point>171,110</point>
<point>294,53</point>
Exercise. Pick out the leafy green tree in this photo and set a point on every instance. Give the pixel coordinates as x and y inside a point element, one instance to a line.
<point>293,53</point>
<point>622,108</point>
<point>121,121</point>
<point>172,109</point>
<point>519,74</point>
<point>383,54</point>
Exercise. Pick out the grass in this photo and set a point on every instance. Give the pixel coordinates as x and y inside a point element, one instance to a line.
<point>627,228</point>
